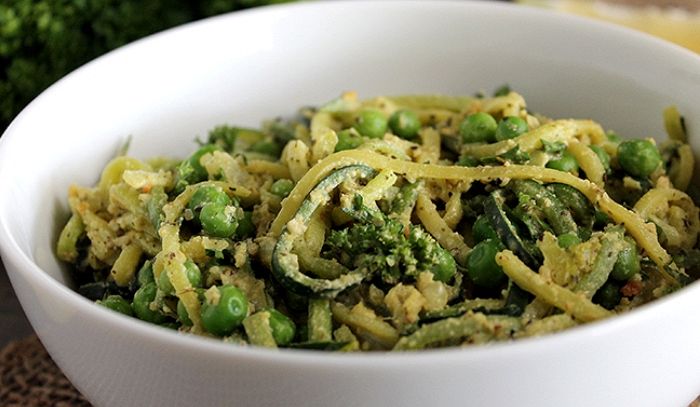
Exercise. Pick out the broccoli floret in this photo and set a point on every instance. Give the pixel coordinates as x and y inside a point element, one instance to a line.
<point>386,247</point>
<point>41,41</point>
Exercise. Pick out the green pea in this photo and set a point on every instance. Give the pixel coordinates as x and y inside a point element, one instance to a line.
<point>567,240</point>
<point>190,171</point>
<point>481,264</point>
<point>566,163</point>
<point>510,127</point>
<point>117,303</point>
<point>282,187</point>
<point>627,264</point>
<point>478,127</point>
<point>468,161</point>
<point>283,328</point>
<point>371,123</point>
<point>445,266</point>
<point>200,173</point>
<point>405,124</point>
<point>482,230</point>
<point>194,275</point>
<point>206,194</point>
<point>141,304</point>
<point>225,315</point>
<point>266,147</point>
<point>602,156</point>
<point>347,140</point>
<point>218,220</point>
<point>638,158</point>
<point>608,296</point>
<point>145,274</point>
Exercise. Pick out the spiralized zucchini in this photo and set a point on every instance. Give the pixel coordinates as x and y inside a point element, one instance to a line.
<point>394,223</point>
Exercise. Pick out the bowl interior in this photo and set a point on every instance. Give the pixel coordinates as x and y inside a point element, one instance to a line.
<point>242,68</point>
<point>245,67</point>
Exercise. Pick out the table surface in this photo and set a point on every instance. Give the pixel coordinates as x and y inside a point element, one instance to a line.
<point>13,323</point>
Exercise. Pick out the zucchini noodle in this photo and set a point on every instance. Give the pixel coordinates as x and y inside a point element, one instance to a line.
<point>643,232</point>
<point>392,223</point>
<point>566,300</point>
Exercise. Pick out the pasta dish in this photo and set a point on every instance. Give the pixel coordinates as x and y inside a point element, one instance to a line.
<point>392,223</point>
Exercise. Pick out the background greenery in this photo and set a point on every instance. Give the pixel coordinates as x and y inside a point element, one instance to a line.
<point>41,41</point>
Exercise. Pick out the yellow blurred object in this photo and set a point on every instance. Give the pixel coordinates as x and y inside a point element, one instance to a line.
<point>674,20</point>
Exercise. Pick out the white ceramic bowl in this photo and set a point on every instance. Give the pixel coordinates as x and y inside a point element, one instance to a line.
<point>247,66</point>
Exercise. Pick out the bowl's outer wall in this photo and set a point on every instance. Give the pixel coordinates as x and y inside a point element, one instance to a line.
<point>248,66</point>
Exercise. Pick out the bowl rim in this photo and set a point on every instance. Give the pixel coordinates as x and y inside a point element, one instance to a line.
<point>22,264</point>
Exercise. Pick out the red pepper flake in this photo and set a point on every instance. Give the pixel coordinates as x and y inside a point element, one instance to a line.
<point>632,288</point>
<point>406,231</point>
<point>147,188</point>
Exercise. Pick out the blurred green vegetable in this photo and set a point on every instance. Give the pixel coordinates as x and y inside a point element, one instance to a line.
<point>41,41</point>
